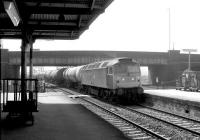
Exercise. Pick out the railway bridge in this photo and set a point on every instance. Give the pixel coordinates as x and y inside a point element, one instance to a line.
<point>164,65</point>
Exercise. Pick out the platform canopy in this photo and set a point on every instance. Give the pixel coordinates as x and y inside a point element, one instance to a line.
<point>48,19</point>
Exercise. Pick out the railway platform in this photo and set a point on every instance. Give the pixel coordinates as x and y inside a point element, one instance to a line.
<point>175,94</point>
<point>59,118</point>
<point>185,103</point>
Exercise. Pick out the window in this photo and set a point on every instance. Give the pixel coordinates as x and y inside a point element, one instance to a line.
<point>127,69</point>
<point>134,68</point>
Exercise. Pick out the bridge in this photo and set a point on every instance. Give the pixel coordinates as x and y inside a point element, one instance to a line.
<point>74,58</point>
<point>164,65</point>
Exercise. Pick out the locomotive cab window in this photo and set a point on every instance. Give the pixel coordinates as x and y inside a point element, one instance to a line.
<point>127,69</point>
<point>110,70</point>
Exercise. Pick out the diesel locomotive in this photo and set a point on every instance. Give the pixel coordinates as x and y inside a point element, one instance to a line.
<point>118,78</point>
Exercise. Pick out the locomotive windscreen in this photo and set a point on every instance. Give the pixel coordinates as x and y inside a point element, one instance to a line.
<point>124,68</point>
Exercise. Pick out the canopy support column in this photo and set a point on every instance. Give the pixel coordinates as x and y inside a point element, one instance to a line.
<point>26,39</point>
<point>23,69</point>
<point>31,63</point>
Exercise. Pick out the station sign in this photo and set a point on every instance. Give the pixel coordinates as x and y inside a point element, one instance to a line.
<point>190,50</point>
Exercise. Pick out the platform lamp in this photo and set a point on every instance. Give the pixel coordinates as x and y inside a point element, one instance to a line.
<point>12,12</point>
<point>189,51</point>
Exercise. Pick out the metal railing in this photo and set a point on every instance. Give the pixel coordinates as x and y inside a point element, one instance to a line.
<point>16,101</point>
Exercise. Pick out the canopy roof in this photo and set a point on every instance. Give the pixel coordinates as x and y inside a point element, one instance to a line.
<point>51,19</point>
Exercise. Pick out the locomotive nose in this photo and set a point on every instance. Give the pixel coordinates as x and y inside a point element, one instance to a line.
<point>127,81</point>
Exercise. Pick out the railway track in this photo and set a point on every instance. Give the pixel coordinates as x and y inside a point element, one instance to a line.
<point>170,113</point>
<point>181,122</point>
<point>128,127</point>
<point>140,124</point>
<point>154,126</point>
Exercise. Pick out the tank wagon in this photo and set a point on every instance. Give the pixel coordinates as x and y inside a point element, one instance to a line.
<point>189,80</point>
<point>55,76</point>
<point>112,79</point>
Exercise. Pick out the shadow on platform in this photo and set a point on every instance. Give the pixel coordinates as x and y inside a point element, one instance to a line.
<point>59,122</point>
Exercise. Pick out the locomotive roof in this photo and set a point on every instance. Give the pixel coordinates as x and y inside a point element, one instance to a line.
<point>109,62</point>
<point>116,60</point>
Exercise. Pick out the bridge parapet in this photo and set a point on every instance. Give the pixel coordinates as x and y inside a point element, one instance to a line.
<point>181,60</point>
<point>152,61</point>
<point>64,58</point>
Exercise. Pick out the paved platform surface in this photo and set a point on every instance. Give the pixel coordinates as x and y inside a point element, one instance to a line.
<point>60,118</point>
<point>176,94</point>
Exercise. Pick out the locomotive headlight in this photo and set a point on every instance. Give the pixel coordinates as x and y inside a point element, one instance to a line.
<point>132,78</point>
<point>123,79</point>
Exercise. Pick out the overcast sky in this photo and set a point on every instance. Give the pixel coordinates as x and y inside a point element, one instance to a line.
<point>135,25</point>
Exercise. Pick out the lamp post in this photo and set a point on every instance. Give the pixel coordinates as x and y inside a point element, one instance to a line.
<point>189,51</point>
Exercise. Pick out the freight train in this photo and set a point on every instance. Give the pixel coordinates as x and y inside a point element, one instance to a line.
<point>118,78</point>
<point>189,80</point>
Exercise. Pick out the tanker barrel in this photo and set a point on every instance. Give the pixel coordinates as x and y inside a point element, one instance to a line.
<point>59,75</point>
<point>72,74</point>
